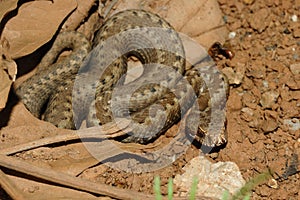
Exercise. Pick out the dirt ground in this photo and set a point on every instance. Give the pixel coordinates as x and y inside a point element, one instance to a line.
<point>267,52</point>
<point>263,108</point>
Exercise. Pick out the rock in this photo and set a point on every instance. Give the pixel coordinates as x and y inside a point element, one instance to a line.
<point>256,69</point>
<point>247,114</point>
<point>258,20</point>
<point>234,102</point>
<point>268,99</point>
<point>270,123</point>
<point>295,68</point>
<point>272,183</point>
<point>235,78</point>
<point>213,178</point>
<point>293,84</point>
<point>294,18</point>
<point>290,109</point>
<point>253,117</point>
<point>293,124</point>
<point>296,32</point>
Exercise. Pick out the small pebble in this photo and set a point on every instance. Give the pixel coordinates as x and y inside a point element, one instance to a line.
<point>293,124</point>
<point>232,35</point>
<point>295,56</point>
<point>295,68</point>
<point>294,18</point>
<point>268,99</point>
<point>272,183</point>
<point>265,84</point>
<point>286,31</point>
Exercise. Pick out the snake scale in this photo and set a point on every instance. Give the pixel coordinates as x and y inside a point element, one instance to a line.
<point>82,86</point>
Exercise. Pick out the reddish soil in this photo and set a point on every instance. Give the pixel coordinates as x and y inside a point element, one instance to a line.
<point>266,47</point>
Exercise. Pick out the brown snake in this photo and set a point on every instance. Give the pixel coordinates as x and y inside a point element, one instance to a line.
<point>166,82</point>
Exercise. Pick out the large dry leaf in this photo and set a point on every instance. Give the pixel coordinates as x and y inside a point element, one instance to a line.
<point>8,68</point>
<point>199,19</point>
<point>8,71</point>
<point>6,6</point>
<point>4,87</point>
<point>35,25</point>
<point>79,14</point>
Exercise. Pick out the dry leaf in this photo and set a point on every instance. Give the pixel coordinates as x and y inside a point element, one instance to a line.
<point>40,190</point>
<point>199,19</point>
<point>35,24</point>
<point>6,6</point>
<point>79,15</point>
<point>8,71</point>
<point>4,88</point>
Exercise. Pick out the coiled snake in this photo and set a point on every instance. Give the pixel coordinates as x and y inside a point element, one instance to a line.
<point>166,82</point>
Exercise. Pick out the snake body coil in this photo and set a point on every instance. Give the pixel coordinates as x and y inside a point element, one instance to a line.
<point>96,91</point>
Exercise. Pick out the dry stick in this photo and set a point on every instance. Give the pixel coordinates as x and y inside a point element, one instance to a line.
<point>69,181</point>
<point>10,188</point>
<point>109,130</point>
<point>76,183</point>
<point>39,143</point>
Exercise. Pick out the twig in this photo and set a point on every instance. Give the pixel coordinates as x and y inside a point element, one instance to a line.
<point>69,181</point>
<point>106,131</point>
<point>109,130</point>
<point>75,182</point>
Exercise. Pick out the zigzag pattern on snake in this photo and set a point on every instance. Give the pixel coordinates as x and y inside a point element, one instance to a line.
<point>166,82</point>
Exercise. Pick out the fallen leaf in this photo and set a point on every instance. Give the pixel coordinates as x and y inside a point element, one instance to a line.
<point>79,14</point>
<point>8,71</point>
<point>4,88</point>
<point>35,24</point>
<point>7,6</point>
<point>199,19</point>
